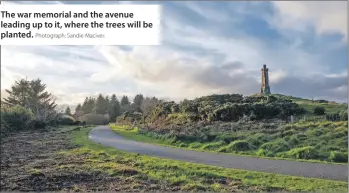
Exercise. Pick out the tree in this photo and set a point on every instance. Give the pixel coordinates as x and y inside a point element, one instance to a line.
<point>114,108</point>
<point>33,95</point>
<point>137,101</point>
<point>124,101</point>
<point>78,108</point>
<point>88,105</point>
<point>85,105</point>
<point>101,106</point>
<point>18,94</point>
<point>107,101</point>
<point>125,104</point>
<point>67,111</point>
<point>91,104</point>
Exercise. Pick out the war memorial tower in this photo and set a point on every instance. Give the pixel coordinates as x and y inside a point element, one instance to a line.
<point>265,88</point>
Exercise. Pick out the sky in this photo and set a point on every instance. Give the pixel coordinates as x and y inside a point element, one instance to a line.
<point>208,48</point>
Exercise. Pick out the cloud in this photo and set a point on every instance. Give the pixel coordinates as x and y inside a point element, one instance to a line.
<point>319,87</point>
<point>208,48</point>
<point>325,17</point>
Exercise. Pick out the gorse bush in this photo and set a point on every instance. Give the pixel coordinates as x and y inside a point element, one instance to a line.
<point>236,146</point>
<point>226,108</point>
<point>319,110</point>
<point>336,156</point>
<point>307,152</point>
<point>213,145</point>
<point>16,118</point>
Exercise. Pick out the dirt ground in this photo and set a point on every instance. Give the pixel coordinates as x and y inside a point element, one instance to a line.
<point>31,162</point>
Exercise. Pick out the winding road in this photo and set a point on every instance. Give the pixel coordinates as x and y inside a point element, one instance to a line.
<point>105,136</point>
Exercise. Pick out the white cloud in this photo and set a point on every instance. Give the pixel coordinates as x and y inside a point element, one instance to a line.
<point>325,16</point>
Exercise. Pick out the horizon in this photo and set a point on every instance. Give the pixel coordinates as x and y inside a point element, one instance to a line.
<point>209,48</point>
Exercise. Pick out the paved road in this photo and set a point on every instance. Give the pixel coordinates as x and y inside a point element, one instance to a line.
<point>105,136</point>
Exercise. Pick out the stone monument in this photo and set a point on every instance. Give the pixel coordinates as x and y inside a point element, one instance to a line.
<point>265,88</point>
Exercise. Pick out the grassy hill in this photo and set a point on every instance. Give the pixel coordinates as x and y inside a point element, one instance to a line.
<point>309,105</point>
<point>254,125</point>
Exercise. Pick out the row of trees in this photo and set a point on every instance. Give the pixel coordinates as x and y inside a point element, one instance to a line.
<point>29,103</point>
<point>111,107</point>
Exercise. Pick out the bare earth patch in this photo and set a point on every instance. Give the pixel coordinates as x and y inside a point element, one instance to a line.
<point>31,162</point>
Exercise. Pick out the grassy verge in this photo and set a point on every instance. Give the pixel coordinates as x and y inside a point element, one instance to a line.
<point>134,134</point>
<point>178,175</point>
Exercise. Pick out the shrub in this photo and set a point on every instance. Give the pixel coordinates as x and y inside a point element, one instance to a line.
<point>343,115</point>
<point>195,145</point>
<point>257,139</point>
<point>129,118</point>
<point>227,138</point>
<point>239,145</point>
<point>333,117</point>
<point>276,146</point>
<point>293,141</point>
<point>262,152</point>
<point>5,129</point>
<point>94,119</point>
<point>213,145</point>
<point>16,118</point>
<point>38,124</point>
<point>319,110</point>
<point>337,156</point>
<point>66,120</point>
<point>307,152</point>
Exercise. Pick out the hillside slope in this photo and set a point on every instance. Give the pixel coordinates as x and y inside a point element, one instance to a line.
<point>252,125</point>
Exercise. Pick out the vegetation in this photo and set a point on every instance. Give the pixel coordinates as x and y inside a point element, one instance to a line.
<point>313,141</point>
<point>64,159</point>
<point>29,106</point>
<point>310,105</point>
<point>66,120</point>
<point>257,125</point>
<point>178,175</point>
<point>319,110</point>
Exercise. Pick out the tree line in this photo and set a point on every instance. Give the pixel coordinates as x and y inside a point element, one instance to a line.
<point>110,107</point>
<point>30,106</point>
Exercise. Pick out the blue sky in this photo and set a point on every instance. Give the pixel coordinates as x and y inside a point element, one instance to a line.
<point>208,48</point>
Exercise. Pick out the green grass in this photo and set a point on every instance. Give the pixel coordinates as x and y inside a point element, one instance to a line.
<point>310,142</point>
<point>193,177</point>
<point>309,105</point>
